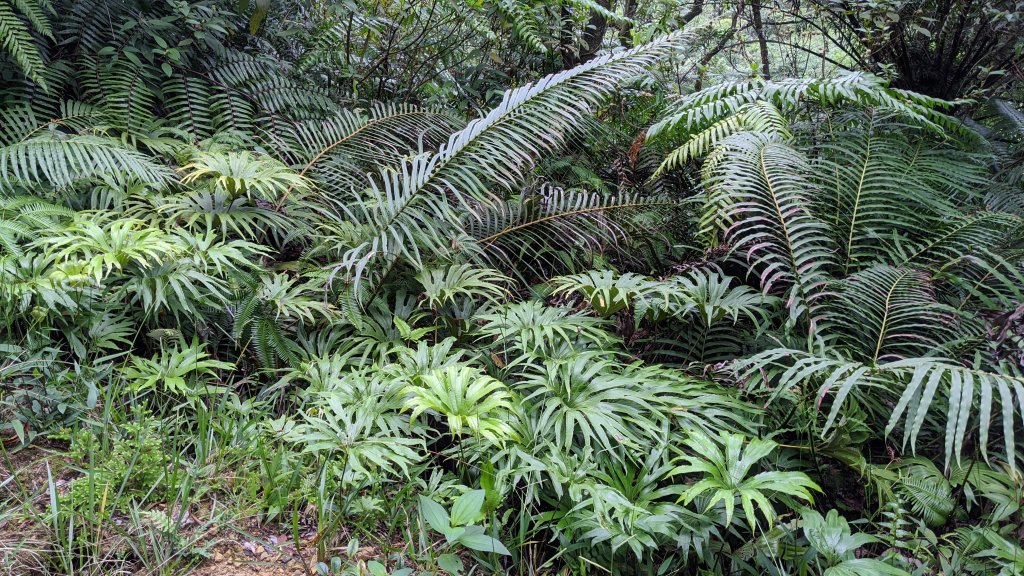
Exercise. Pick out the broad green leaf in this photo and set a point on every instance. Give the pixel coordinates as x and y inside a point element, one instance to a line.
<point>484,543</point>
<point>468,508</point>
<point>435,515</point>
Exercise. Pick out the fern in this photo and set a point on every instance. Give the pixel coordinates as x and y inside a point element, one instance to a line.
<point>534,230</point>
<point>497,148</point>
<point>915,386</point>
<point>886,313</point>
<point>523,22</point>
<point>61,159</point>
<point>758,196</point>
<point>22,217</point>
<point>18,19</point>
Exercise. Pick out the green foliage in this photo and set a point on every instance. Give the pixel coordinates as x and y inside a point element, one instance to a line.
<point>125,464</point>
<point>18,19</point>
<point>459,527</point>
<point>175,371</point>
<point>725,469</point>
<point>509,287</point>
<point>466,399</point>
<point>832,538</point>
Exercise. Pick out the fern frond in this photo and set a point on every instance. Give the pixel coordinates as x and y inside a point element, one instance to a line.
<point>496,149</point>
<point>61,159</point>
<point>523,22</point>
<point>909,391</point>
<point>546,226</point>
<point>338,150</point>
<point>871,189</point>
<point>960,237</point>
<point>126,92</point>
<point>704,112</point>
<point>761,117</point>
<point>16,36</point>
<point>759,197</point>
<point>189,105</point>
<point>886,313</point>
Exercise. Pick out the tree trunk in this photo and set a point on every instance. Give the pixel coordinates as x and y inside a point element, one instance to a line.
<point>762,42</point>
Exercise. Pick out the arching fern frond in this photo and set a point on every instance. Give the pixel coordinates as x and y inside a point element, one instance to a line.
<point>18,19</point>
<point>18,123</point>
<point>758,116</point>
<point>338,150</point>
<point>759,195</point>
<point>126,92</point>
<point>697,110</point>
<point>958,238</point>
<point>523,22</point>
<point>867,181</point>
<point>885,313</point>
<point>538,229</point>
<point>492,152</point>
<point>909,394</point>
<point>60,159</point>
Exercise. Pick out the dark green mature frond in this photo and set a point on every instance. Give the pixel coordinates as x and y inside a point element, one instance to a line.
<point>18,19</point>
<point>960,237</point>
<point>18,123</point>
<point>495,150</point>
<point>867,182</point>
<point>523,22</point>
<point>885,313</point>
<point>338,150</point>
<point>759,196</point>
<point>261,80</point>
<point>190,106</point>
<point>327,48</point>
<point>1003,129</point>
<point>125,91</point>
<point>62,159</point>
<point>987,279</point>
<point>538,230</point>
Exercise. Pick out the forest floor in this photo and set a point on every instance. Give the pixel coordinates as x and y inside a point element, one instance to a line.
<point>214,541</point>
